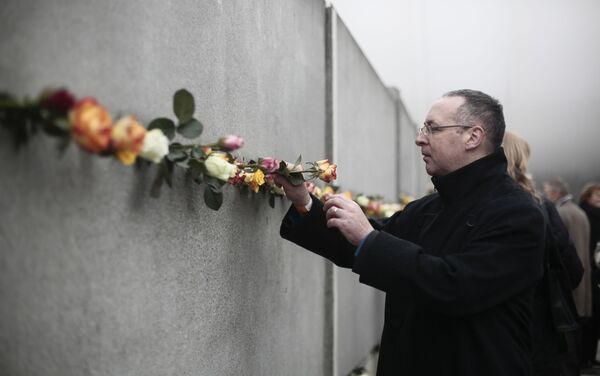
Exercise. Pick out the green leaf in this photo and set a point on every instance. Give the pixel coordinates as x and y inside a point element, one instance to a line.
<point>167,169</point>
<point>272,201</point>
<point>196,169</point>
<point>183,105</point>
<point>62,123</point>
<point>296,178</point>
<point>190,129</point>
<point>184,163</point>
<point>298,161</point>
<point>157,183</point>
<point>282,168</point>
<point>167,126</point>
<point>197,152</point>
<point>177,156</point>
<point>213,196</point>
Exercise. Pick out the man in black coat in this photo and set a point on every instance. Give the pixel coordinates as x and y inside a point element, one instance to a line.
<point>459,266</point>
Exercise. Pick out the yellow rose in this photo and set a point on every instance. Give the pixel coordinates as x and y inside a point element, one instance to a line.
<point>327,192</point>
<point>218,167</point>
<point>327,170</point>
<point>127,139</point>
<point>255,180</point>
<point>347,194</point>
<point>91,125</point>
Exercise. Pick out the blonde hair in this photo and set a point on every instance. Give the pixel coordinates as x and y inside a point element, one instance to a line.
<point>517,153</point>
<point>587,191</point>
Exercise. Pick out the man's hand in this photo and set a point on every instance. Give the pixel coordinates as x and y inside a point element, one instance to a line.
<point>297,194</point>
<point>346,215</point>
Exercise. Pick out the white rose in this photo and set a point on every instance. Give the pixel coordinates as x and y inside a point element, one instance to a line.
<point>362,200</point>
<point>156,146</point>
<point>219,168</point>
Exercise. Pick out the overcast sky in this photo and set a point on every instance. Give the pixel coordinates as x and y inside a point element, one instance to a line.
<point>541,58</point>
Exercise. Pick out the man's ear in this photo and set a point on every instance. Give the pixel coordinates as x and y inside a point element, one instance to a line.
<point>476,137</point>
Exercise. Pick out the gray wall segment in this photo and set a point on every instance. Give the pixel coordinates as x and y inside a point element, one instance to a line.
<point>97,277</point>
<point>364,142</point>
<point>366,123</point>
<point>413,178</point>
<point>360,320</point>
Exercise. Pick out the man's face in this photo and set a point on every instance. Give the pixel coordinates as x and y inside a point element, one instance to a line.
<point>443,150</point>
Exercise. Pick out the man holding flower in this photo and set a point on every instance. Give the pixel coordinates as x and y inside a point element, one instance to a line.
<point>458,266</point>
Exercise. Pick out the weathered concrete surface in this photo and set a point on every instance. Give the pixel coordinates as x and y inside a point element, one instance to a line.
<point>365,138</point>
<point>96,277</point>
<point>365,133</point>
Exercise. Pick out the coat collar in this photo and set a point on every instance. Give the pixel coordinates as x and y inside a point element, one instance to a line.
<point>462,182</point>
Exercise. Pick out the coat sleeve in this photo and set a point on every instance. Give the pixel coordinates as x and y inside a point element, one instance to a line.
<point>311,232</point>
<point>568,253</point>
<point>501,259</point>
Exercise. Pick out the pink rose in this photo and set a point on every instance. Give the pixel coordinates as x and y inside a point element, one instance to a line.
<point>270,164</point>
<point>231,142</point>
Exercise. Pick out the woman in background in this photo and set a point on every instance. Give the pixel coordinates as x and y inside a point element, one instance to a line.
<point>590,203</point>
<point>562,273</point>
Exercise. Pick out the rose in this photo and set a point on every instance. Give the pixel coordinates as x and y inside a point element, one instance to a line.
<point>269,164</point>
<point>390,209</point>
<point>374,209</point>
<point>238,179</point>
<point>231,142</point>
<point>269,180</point>
<point>347,194</point>
<point>156,146</point>
<point>362,200</point>
<point>218,167</point>
<point>127,139</point>
<point>59,101</point>
<point>91,125</point>
<point>406,199</point>
<point>255,180</point>
<point>327,170</point>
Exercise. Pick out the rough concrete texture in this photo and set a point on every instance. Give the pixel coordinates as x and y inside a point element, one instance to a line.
<point>365,144</point>
<point>96,277</point>
<point>366,131</point>
<point>413,178</point>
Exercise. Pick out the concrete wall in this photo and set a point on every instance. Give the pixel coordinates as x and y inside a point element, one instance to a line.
<point>365,128</point>
<point>413,180</point>
<point>365,134</point>
<point>97,278</point>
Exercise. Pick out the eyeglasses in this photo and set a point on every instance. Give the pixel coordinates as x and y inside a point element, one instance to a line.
<point>428,129</point>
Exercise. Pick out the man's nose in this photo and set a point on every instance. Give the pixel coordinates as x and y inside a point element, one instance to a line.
<point>421,140</point>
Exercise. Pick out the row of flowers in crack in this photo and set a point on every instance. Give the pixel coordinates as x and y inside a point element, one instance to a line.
<point>89,124</point>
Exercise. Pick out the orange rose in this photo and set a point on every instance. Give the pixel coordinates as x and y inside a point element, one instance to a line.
<point>327,171</point>
<point>91,125</point>
<point>127,139</point>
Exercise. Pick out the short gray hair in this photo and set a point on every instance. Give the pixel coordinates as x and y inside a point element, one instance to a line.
<point>558,185</point>
<point>481,107</point>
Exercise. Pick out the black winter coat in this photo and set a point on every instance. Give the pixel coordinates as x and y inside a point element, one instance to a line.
<point>459,268</point>
<point>549,357</point>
